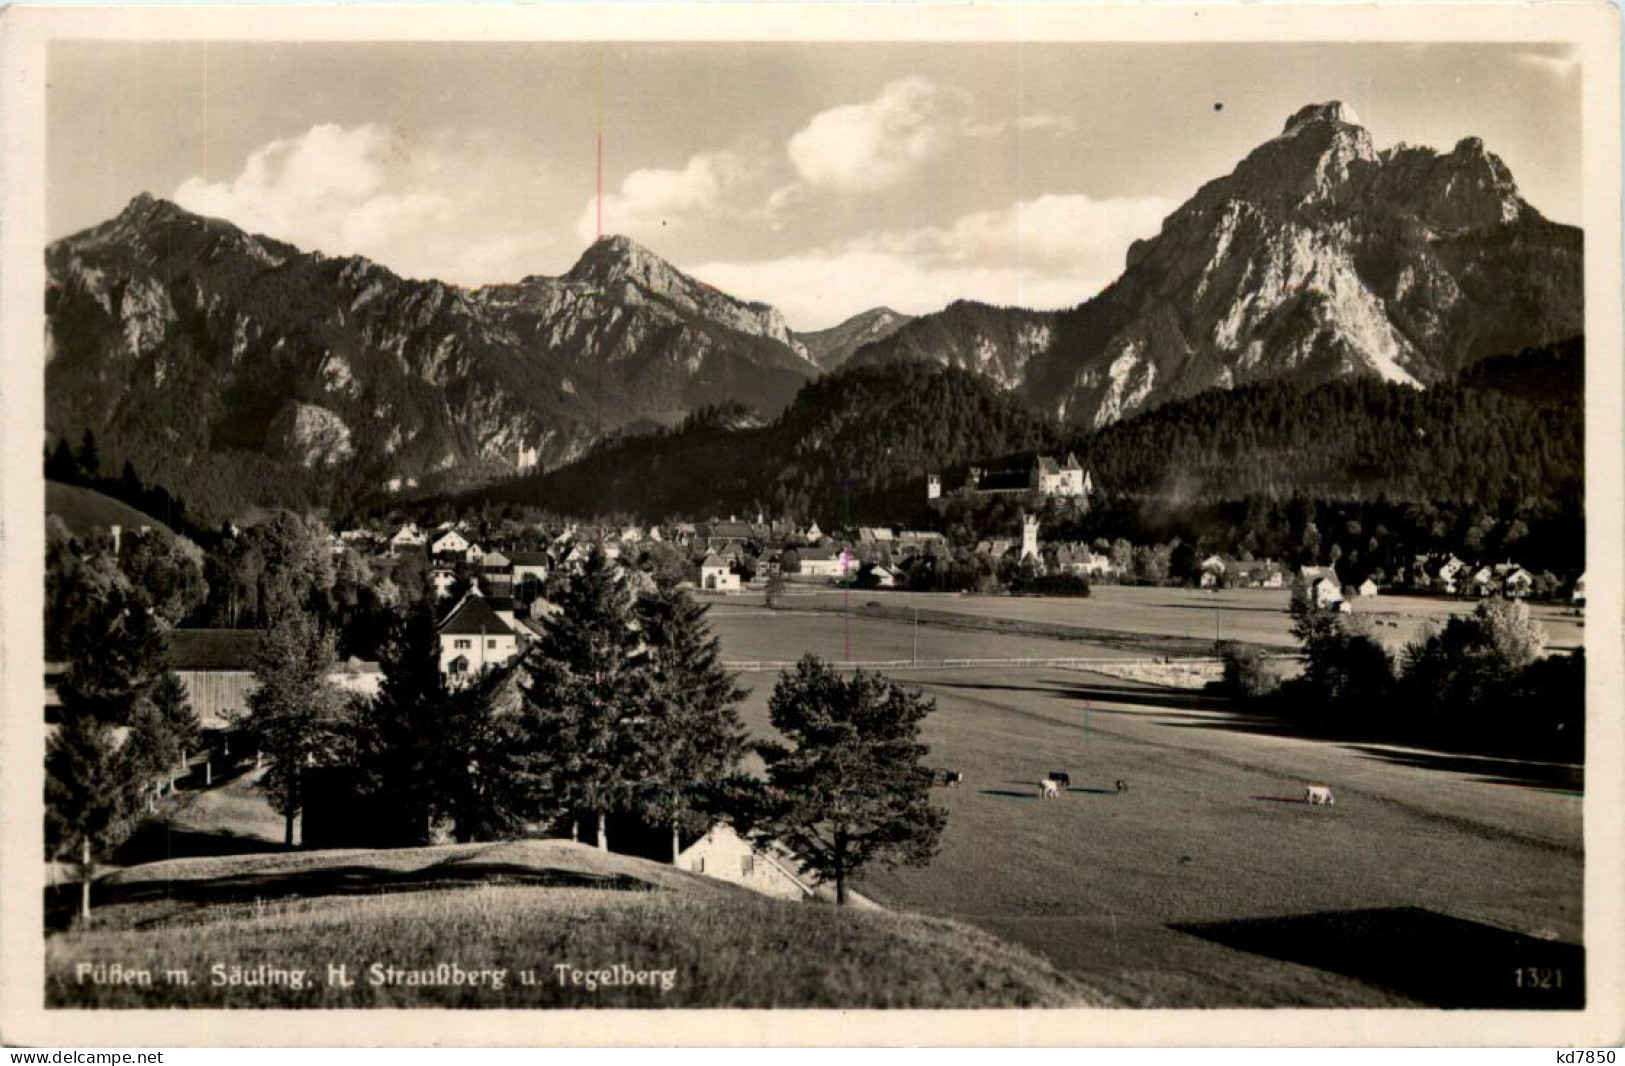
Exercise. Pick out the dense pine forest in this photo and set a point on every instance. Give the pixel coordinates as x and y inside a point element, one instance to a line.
<point>1510,427</point>
<point>1492,461</point>
<point>855,445</point>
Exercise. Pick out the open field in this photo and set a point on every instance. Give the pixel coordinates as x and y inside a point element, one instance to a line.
<point>1254,616</point>
<point>1209,883</point>
<point>754,634</point>
<point>496,910</point>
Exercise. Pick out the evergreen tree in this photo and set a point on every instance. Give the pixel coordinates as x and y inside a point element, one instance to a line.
<point>695,740</point>
<point>293,710</point>
<point>61,465</point>
<point>849,789</point>
<point>115,654</point>
<point>587,703</point>
<point>434,752</point>
<point>90,462</point>
<point>88,798</point>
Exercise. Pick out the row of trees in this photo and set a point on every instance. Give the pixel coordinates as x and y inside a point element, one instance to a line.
<point>1482,681</point>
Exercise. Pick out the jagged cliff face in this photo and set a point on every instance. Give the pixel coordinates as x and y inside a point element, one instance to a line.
<point>178,337</point>
<point>1317,257</point>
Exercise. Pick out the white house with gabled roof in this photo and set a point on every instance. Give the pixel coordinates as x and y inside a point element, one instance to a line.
<point>450,542</point>
<point>717,576</point>
<point>473,639</point>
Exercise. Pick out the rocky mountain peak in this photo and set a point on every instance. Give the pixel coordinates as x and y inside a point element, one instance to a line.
<point>1334,111</point>
<point>614,259</point>
<point>630,273</point>
<point>1316,257</point>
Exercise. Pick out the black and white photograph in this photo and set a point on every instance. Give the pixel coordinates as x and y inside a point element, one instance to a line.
<point>619,519</point>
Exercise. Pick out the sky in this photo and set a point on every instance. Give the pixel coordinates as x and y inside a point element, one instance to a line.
<point>824,179</point>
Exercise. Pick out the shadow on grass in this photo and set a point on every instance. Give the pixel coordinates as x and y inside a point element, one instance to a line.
<point>1096,791</point>
<point>1161,699</point>
<point>1496,770</point>
<point>1435,958</point>
<point>157,841</point>
<point>1007,794</point>
<point>357,879</point>
<point>1220,713</point>
<point>1227,608</point>
<point>1492,768</point>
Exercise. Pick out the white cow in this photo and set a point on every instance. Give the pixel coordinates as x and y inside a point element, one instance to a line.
<point>1318,795</point>
<point>1049,789</point>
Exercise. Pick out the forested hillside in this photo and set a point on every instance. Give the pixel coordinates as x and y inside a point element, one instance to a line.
<point>1507,428</point>
<point>856,443</point>
<point>856,446</point>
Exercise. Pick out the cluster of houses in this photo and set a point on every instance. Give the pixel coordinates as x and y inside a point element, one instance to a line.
<point>1445,574</point>
<point>1450,575</point>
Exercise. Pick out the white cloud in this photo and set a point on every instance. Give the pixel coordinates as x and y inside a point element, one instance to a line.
<point>1051,252</point>
<point>1550,65</point>
<point>329,189</point>
<point>873,145</point>
<point>655,198</point>
<point>424,206</point>
<point>1052,229</point>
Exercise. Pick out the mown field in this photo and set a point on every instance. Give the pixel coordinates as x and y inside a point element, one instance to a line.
<point>1254,616</point>
<point>751,633</point>
<point>1210,882</point>
<point>522,925</point>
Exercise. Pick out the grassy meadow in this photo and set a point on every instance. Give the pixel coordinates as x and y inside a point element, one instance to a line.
<point>1251,616</point>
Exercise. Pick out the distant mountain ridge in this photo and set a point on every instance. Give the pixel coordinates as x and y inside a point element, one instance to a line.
<point>1317,257</point>
<point>832,347</point>
<point>233,366</point>
<point>236,369</point>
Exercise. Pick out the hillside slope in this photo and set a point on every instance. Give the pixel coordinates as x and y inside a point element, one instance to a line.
<point>86,511</point>
<point>529,905</point>
<point>831,348</point>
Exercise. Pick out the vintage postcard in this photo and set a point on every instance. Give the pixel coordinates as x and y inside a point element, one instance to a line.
<point>786,524</point>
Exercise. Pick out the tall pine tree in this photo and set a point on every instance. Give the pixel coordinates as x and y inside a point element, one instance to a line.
<point>695,740</point>
<point>293,711</point>
<point>587,704</point>
<point>434,752</point>
<point>848,789</point>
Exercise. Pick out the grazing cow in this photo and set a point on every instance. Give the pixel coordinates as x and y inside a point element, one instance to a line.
<point>1122,786</point>
<point>948,778</point>
<point>1061,777</point>
<point>1318,795</point>
<point>1049,789</point>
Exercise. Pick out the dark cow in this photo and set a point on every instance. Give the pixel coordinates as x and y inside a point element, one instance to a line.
<point>1122,786</point>
<point>946,778</point>
<point>1061,777</point>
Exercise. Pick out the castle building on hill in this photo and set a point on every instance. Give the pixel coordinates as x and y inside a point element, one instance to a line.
<point>1043,478</point>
